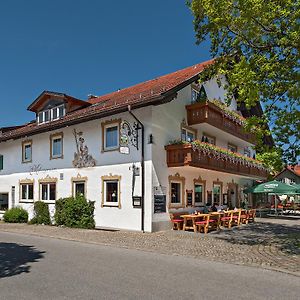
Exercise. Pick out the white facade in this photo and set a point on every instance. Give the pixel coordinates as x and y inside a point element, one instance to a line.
<point>162,121</point>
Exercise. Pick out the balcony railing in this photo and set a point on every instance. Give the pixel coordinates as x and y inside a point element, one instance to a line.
<point>201,155</point>
<point>210,113</point>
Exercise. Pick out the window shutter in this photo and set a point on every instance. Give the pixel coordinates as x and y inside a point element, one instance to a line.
<point>1,162</point>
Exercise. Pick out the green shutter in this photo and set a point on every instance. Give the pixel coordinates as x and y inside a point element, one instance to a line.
<point>1,162</point>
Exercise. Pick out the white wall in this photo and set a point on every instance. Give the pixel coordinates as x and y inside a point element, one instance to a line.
<point>163,121</point>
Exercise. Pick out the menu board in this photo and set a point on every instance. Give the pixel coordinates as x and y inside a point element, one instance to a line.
<point>189,198</point>
<point>160,204</point>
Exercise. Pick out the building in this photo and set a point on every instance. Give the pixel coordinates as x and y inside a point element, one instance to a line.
<point>165,144</point>
<point>289,175</point>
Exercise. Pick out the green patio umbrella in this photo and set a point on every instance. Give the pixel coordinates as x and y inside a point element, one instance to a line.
<point>274,187</point>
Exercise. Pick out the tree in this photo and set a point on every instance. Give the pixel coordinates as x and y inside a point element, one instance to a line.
<point>256,46</point>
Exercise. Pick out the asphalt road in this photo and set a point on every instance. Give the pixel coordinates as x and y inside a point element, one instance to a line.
<point>33,267</point>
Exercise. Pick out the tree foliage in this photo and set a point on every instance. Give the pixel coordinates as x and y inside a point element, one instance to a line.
<point>256,46</point>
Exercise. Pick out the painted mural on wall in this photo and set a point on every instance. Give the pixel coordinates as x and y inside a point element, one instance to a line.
<point>82,158</point>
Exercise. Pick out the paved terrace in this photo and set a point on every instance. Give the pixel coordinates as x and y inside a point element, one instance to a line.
<point>267,243</point>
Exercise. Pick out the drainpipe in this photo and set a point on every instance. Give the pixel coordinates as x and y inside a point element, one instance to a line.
<point>143,168</point>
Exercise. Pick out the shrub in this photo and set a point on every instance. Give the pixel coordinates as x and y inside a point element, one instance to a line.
<point>41,213</point>
<point>74,212</point>
<point>16,215</point>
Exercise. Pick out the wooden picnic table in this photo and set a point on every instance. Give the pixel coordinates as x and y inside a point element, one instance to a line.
<point>192,218</point>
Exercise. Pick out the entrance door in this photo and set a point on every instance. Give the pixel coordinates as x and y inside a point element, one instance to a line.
<point>233,200</point>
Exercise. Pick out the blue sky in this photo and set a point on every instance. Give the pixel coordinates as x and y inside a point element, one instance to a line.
<point>88,47</point>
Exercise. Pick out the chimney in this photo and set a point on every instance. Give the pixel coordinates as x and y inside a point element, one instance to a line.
<point>91,96</point>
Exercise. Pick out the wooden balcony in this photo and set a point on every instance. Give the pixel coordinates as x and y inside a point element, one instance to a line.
<point>184,155</point>
<point>210,113</point>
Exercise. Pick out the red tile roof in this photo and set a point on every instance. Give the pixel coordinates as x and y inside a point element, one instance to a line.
<point>142,94</point>
<point>294,169</point>
<point>152,87</point>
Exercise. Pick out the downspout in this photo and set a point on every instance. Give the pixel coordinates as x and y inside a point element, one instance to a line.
<point>143,169</point>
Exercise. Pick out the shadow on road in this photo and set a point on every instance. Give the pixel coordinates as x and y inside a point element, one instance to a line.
<point>285,237</point>
<point>14,258</point>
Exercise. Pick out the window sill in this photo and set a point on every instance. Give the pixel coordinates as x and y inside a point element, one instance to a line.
<point>49,201</point>
<point>111,149</point>
<point>56,157</point>
<point>25,201</point>
<point>112,205</point>
<point>26,161</point>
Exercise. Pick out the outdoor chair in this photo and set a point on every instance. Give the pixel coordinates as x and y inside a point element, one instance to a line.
<point>244,217</point>
<point>226,220</point>
<point>236,217</point>
<point>177,221</point>
<point>251,217</point>
<point>206,223</point>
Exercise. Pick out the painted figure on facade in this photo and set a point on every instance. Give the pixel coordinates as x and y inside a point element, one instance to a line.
<point>82,158</point>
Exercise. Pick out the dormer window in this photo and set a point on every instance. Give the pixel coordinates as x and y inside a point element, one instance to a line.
<point>51,114</point>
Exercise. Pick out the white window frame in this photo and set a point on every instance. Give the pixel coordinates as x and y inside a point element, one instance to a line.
<point>203,184</point>
<point>247,152</point>
<point>197,92</point>
<point>50,111</point>
<point>232,146</point>
<point>220,184</point>
<point>118,138</point>
<point>210,138</point>
<point>23,184</point>
<point>53,137</point>
<point>48,200</point>
<point>75,182</point>
<point>186,130</point>
<point>181,180</point>
<point>24,144</point>
<point>105,180</point>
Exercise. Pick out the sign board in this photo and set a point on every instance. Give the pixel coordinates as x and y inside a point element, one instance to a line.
<point>189,197</point>
<point>124,150</point>
<point>160,204</point>
<point>136,201</point>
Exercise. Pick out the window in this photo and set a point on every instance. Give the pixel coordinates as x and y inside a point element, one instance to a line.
<point>79,186</point>
<point>48,191</point>
<point>199,191</point>
<point>232,148</point>
<point>56,146</point>
<point>208,139</point>
<point>51,114</point>
<point>217,193</point>
<point>247,152</point>
<point>110,133</point>
<point>198,95</point>
<point>177,191</point>
<point>187,134</point>
<point>26,192</point>
<point>27,151</point>
<point>3,201</point>
<point>41,118</point>
<point>1,162</point>
<point>111,191</point>
<point>195,95</point>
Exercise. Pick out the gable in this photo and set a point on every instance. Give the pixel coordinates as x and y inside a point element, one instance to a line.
<point>48,100</point>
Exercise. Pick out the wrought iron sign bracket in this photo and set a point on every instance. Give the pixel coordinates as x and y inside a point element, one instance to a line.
<point>130,134</point>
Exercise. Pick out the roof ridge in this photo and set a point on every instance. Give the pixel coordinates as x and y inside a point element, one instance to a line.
<point>195,66</point>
